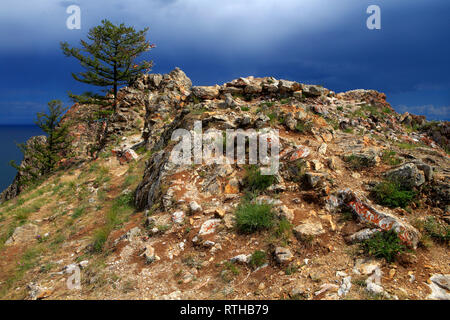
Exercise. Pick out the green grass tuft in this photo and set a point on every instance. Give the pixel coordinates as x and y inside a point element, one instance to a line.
<point>252,217</point>
<point>384,244</point>
<point>392,194</point>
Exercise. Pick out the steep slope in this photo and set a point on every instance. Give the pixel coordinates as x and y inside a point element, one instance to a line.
<point>140,226</point>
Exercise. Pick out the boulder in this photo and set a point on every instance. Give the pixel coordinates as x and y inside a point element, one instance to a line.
<point>312,90</point>
<point>290,122</point>
<point>253,88</point>
<point>178,217</point>
<point>206,92</point>
<point>308,230</point>
<point>385,221</point>
<point>242,258</point>
<point>209,226</point>
<point>286,86</point>
<point>149,254</point>
<point>300,152</point>
<point>440,287</point>
<point>23,234</point>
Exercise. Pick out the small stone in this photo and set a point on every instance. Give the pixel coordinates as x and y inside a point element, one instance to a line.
<point>323,148</point>
<point>242,258</point>
<point>209,227</point>
<point>283,255</point>
<point>392,273</point>
<point>178,217</point>
<point>316,165</point>
<point>194,207</point>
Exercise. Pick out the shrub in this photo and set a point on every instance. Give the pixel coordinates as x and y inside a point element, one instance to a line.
<point>267,104</point>
<point>100,238</point>
<point>389,157</point>
<point>251,217</point>
<point>437,231</point>
<point>258,259</point>
<point>291,269</point>
<point>392,194</point>
<point>78,212</point>
<point>384,244</point>
<point>303,126</point>
<point>275,118</point>
<point>283,229</point>
<point>357,161</point>
<point>117,214</point>
<point>254,181</point>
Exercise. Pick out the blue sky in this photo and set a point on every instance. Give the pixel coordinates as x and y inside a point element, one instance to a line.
<point>317,41</point>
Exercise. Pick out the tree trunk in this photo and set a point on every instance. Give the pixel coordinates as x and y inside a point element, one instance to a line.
<point>115,87</point>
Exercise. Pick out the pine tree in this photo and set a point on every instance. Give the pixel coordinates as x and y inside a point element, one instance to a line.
<point>44,156</point>
<point>109,59</point>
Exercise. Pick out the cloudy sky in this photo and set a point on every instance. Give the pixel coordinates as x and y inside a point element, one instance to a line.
<point>316,41</point>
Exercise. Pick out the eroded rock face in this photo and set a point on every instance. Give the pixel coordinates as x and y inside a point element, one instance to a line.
<point>22,176</point>
<point>440,133</point>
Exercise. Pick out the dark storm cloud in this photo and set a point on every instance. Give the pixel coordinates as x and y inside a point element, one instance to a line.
<point>322,41</point>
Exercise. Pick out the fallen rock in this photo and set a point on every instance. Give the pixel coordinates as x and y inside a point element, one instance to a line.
<point>407,233</point>
<point>125,156</point>
<point>440,287</point>
<point>301,152</point>
<point>285,212</point>
<point>326,287</point>
<point>408,175</point>
<point>345,287</point>
<point>37,292</point>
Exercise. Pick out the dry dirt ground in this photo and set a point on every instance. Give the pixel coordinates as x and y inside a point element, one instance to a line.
<point>72,206</point>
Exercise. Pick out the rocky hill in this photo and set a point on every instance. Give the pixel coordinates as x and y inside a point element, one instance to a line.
<point>359,208</point>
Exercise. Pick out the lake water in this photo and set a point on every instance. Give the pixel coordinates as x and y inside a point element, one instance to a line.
<point>9,136</point>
